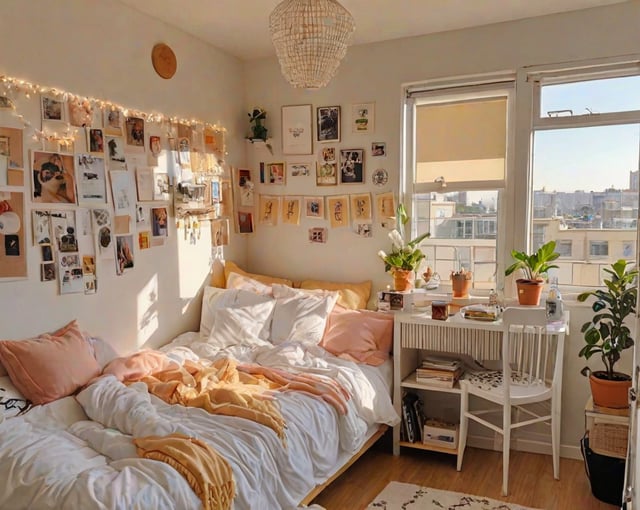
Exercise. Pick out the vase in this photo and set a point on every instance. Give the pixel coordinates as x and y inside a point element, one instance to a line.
<point>529,291</point>
<point>460,285</point>
<point>613,394</point>
<point>402,279</point>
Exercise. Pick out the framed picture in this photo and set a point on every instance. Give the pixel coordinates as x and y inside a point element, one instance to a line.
<point>276,173</point>
<point>113,120</point>
<point>291,211</point>
<point>318,235</point>
<point>328,154</point>
<point>245,222</point>
<point>296,129</point>
<point>352,166</point>
<point>269,208</point>
<point>326,174</point>
<point>314,207</point>
<point>52,108</point>
<point>135,131</point>
<point>300,169</point>
<point>95,141</point>
<point>385,208</point>
<point>378,149</point>
<point>338,207</point>
<point>361,207</point>
<point>328,123</point>
<point>363,117</point>
<point>80,112</point>
<point>53,178</point>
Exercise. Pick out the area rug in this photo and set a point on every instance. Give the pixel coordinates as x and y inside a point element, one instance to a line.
<point>405,496</point>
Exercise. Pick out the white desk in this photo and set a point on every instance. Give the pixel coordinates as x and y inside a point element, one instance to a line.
<point>415,332</point>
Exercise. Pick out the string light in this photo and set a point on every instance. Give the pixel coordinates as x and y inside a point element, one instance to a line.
<point>14,86</point>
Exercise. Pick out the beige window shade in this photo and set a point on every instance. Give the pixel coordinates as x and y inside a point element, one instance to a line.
<point>463,141</point>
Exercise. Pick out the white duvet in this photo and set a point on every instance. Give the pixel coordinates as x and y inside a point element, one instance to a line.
<point>77,452</point>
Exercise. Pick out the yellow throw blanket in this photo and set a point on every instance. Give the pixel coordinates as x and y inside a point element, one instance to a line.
<point>206,472</point>
<point>219,389</point>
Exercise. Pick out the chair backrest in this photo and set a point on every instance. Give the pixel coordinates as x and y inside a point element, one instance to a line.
<point>531,356</point>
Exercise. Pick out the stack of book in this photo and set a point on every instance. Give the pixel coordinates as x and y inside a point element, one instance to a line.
<point>439,372</point>
<point>412,418</point>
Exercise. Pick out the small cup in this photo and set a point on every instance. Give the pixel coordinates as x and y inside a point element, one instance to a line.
<point>440,310</point>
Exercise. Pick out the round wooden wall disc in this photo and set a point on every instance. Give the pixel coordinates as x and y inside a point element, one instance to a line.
<point>164,60</point>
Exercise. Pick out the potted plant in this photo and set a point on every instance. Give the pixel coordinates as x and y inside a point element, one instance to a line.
<point>461,283</point>
<point>535,267</point>
<point>405,257</point>
<point>607,334</point>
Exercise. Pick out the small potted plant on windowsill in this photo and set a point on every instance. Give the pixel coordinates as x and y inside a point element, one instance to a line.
<point>535,267</point>
<point>607,334</point>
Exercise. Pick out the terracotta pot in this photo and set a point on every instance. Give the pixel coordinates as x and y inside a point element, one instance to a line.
<point>402,279</point>
<point>529,291</point>
<point>460,285</point>
<point>610,393</point>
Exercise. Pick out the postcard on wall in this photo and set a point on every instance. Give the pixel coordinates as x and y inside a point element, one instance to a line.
<point>121,189</point>
<point>276,173</point>
<point>352,166</point>
<point>338,207</point>
<point>80,112</point>
<point>47,271</point>
<point>314,207</point>
<point>124,254</point>
<point>144,239</point>
<point>291,211</point>
<point>159,222</point>
<point>160,185</point>
<point>144,183</point>
<point>361,209</point>
<point>135,133</point>
<point>269,208</point>
<point>245,222</point>
<point>70,273</point>
<point>63,226</point>
<point>326,174</point>
<point>220,232</point>
<point>328,123</point>
<point>115,153</point>
<point>52,108</point>
<point>296,129</point>
<point>364,229</point>
<point>89,274</point>
<point>13,252</point>
<point>300,169</point>
<point>53,178</point>
<point>101,219</point>
<point>92,178</point>
<point>113,121</point>
<point>362,117</point>
<point>246,188</point>
<point>318,235</point>
<point>95,141</point>
<point>385,209</point>
<point>11,148</point>
<point>41,226</point>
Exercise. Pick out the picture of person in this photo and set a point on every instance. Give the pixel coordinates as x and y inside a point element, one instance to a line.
<point>48,272</point>
<point>351,166</point>
<point>326,174</point>
<point>276,173</point>
<point>159,221</point>
<point>113,122</point>
<point>378,149</point>
<point>51,108</point>
<point>154,145</point>
<point>125,253</point>
<point>328,124</point>
<point>53,178</point>
<point>96,140</point>
<point>135,131</point>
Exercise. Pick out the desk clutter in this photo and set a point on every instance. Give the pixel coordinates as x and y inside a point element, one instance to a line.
<point>441,372</point>
<point>417,428</point>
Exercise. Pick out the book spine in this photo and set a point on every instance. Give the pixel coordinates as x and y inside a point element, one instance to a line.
<point>406,418</point>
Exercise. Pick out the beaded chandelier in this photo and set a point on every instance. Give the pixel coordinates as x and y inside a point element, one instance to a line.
<point>310,38</point>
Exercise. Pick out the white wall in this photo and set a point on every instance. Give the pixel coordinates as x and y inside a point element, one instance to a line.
<point>102,49</point>
<point>376,72</point>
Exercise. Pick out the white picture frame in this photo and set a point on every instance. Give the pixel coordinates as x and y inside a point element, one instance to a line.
<point>363,117</point>
<point>297,129</point>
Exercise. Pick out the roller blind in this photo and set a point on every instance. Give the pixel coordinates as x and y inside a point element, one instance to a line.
<point>462,141</point>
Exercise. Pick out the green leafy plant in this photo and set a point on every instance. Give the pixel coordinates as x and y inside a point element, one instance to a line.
<point>535,265</point>
<point>606,333</point>
<point>404,255</point>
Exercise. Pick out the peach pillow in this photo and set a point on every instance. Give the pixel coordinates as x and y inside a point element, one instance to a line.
<point>50,366</point>
<point>138,365</point>
<point>363,336</point>
<point>230,267</point>
<point>351,295</point>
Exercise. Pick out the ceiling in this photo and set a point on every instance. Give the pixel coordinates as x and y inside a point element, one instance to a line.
<point>240,27</point>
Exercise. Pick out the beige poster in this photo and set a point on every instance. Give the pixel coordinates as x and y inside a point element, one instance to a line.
<point>269,207</point>
<point>360,207</point>
<point>338,208</point>
<point>291,211</point>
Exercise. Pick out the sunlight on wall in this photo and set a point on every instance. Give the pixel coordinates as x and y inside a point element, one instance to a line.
<point>147,310</point>
<point>194,259</point>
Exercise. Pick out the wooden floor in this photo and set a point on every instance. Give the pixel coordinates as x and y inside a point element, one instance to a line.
<point>531,481</point>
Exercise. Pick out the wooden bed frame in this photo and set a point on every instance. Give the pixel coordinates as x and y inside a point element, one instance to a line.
<point>368,444</point>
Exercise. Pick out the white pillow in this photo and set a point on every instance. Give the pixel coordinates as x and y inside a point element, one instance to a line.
<point>238,281</point>
<point>247,325</point>
<point>12,402</point>
<point>215,298</point>
<point>300,315</point>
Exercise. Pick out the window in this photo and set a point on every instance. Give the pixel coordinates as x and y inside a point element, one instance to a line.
<point>586,138</point>
<point>455,150</point>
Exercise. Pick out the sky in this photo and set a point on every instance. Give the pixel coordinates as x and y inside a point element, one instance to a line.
<point>588,159</point>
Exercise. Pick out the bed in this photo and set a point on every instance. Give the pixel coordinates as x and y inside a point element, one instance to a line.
<point>94,428</point>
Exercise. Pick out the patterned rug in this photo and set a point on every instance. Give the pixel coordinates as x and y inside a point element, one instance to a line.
<point>405,496</point>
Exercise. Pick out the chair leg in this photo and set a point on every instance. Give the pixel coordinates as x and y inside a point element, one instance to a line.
<point>555,437</point>
<point>464,424</point>
<point>506,448</point>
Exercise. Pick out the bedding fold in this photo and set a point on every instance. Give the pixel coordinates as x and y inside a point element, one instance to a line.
<point>206,472</point>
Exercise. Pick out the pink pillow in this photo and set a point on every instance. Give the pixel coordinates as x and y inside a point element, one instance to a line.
<point>363,336</point>
<point>138,365</point>
<point>50,366</point>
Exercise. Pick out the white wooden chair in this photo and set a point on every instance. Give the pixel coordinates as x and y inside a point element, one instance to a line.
<point>532,366</point>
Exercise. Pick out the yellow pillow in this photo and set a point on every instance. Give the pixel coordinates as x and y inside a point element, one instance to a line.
<point>218,278</point>
<point>351,295</point>
<point>230,267</point>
